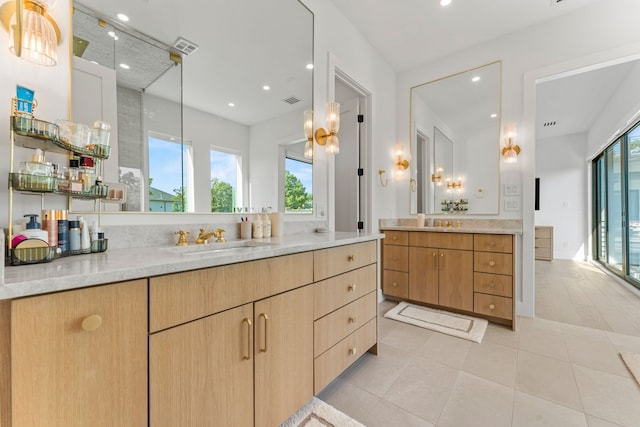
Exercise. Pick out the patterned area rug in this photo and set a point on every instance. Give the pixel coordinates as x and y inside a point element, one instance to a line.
<point>316,413</point>
<point>458,325</point>
<point>632,361</point>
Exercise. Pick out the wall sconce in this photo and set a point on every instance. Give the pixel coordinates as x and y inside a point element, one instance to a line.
<point>511,149</point>
<point>400,162</point>
<point>308,133</point>
<point>329,138</point>
<point>454,185</point>
<point>33,33</point>
<point>437,177</point>
<point>386,181</point>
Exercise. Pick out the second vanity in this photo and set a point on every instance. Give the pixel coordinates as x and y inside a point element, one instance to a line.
<point>468,269</point>
<point>242,337</point>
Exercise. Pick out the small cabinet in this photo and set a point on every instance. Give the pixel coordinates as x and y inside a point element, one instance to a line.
<point>544,242</point>
<point>79,358</point>
<point>395,259</point>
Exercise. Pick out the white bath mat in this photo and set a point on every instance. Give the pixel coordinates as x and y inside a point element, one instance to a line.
<point>317,413</point>
<point>457,325</point>
<point>632,361</point>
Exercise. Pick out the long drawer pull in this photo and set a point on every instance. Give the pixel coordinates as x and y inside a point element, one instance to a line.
<point>91,323</point>
<point>266,321</point>
<point>248,323</point>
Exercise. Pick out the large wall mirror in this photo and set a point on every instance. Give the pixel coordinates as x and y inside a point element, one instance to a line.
<point>455,140</point>
<point>200,131</point>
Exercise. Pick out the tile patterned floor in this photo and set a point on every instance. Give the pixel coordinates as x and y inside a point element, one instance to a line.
<point>548,373</point>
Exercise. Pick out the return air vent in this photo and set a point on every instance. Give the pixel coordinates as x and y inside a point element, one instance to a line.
<point>292,100</point>
<point>185,46</point>
<point>549,124</point>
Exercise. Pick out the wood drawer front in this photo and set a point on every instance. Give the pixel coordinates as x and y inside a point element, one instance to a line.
<point>493,243</point>
<point>396,237</point>
<point>492,305</point>
<point>338,358</point>
<point>338,291</point>
<point>333,327</point>
<point>543,243</point>
<point>179,298</point>
<point>543,253</point>
<point>444,240</point>
<point>494,284</point>
<point>491,262</point>
<point>333,261</point>
<point>395,284</point>
<point>395,258</point>
<point>543,232</point>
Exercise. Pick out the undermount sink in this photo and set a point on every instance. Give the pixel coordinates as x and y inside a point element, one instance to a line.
<point>234,245</point>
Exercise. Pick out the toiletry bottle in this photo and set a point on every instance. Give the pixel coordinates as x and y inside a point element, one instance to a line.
<point>33,230</point>
<point>85,240</point>
<point>256,228</point>
<point>50,224</point>
<point>63,232</point>
<point>74,238</point>
<point>266,226</point>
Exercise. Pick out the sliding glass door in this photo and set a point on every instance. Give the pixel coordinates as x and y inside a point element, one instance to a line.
<point>617,206</point>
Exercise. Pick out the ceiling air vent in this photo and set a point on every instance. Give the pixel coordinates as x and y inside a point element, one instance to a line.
<point>292,100</point>
<point>548,124</point>
<point>557,2</point>
<point>185,46</point>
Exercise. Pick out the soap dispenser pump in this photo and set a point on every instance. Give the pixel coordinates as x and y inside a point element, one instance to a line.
<point>33,230</point>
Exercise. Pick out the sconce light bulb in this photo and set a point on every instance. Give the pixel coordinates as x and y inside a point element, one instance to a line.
<point>333,145</point>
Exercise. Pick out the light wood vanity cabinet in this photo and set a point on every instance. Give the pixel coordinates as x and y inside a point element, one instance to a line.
<point>345,309</point>
<point>76,358</point>
<point>544,242</point>
<point>466,272</point>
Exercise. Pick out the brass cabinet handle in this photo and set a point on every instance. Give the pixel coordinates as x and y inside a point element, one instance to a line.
<point>91,323</point>
<point>434,254</point>
<point>248,322</point>
<point>352,319</point>
<point>394,284</point>
<point>351,258</point>
<point>352,288</point>
<point>492,285</point>
<point>492,263</point>
<point>441,254</point>
<point>266,321</point>
<point>492,306</point>
<point>353,350</point>
<point>394,238</point>
<point>492,243</point>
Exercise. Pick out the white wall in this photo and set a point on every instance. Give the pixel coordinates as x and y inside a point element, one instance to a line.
<point>562,169</point>
<point>599,32</point>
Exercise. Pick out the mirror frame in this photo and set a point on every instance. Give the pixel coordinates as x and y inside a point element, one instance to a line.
<point>413,132</point>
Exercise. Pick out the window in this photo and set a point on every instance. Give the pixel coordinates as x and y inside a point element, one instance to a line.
<point>170,174</point>
<point>617,206</point>
<point>298,184</point>
<point>226,180</point>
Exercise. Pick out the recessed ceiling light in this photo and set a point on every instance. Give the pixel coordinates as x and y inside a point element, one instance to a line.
<point>125,66</point>
<point>309,66</point>
<point>494,115</point>
<point>475,79</point>
<point>123,17</point>
<point>231,104</point>
<point>266,87</point>
<point>445,2</point>
<point>112,34</point>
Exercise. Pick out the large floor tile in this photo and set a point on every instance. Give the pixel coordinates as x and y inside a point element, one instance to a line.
<point>530,411</point>
<point>547,378</point>
<point>376,373</point>
<point>386,414</point>
<point>401,335</point>
<point>446,349</point>
<point>351,400</point>
<point>423,388</point>
<point>477,402</point>
<point>544,341</point>
<point>608,396</point>
<point>624,342</point>
<point>599,422</point>
<point>492,362</point>
<point>503,335</point>
<point>595,353</point>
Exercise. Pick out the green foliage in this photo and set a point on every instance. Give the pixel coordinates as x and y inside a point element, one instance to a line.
<point>296,197</point>
<point>221,196</point>
<point>179,200</point>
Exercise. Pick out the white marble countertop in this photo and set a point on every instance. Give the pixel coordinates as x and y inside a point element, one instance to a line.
<point>458,225</point>
<point>134,263</point>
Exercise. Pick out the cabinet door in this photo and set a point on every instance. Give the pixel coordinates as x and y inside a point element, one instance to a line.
<point>455,279</point>
<point>423,275</point>
<point>79,358</point>
<point>283,355</point>
<point>201,373</point>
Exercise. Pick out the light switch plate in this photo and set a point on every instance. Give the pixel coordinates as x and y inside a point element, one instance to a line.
<point>512,204</point>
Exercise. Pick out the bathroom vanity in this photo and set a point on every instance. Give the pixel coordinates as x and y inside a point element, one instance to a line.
<point>468,269</point>
<point>240,337</point>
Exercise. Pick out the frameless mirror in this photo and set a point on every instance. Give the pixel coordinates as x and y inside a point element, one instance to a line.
<point>455,141</point>
<point>187,125</point>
